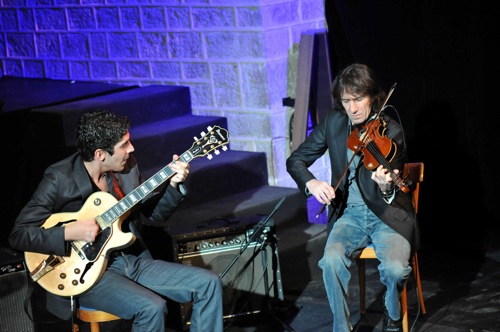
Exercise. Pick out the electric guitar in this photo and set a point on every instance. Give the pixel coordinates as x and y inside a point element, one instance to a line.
<point>75,274</point>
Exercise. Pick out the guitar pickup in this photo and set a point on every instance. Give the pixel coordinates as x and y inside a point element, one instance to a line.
<point>46,266</point>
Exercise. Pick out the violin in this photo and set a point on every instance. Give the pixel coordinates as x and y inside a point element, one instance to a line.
<point>376,148</point>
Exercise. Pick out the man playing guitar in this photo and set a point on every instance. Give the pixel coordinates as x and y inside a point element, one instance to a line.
<point>71,232</point>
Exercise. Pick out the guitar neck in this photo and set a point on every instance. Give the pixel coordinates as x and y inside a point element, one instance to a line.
<point>215,138</point>
<point>139,193</point>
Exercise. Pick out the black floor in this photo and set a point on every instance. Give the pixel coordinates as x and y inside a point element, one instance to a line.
<point>461,289</point>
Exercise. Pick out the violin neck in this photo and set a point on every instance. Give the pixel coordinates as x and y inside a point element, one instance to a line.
<point>372,147</point>
<point>399,183</point>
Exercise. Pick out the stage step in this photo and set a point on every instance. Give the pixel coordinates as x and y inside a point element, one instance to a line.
<point>157,142</point>
<point>257,201</point>
<point>226,174</point>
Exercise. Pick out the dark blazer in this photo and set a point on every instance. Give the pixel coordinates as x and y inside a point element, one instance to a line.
<point>332,135</point>
<point>65,187</point>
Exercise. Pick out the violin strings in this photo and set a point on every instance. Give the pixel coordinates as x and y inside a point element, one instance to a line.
<point>372,147</point>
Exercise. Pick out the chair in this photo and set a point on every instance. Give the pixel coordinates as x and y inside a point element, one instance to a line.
<point>94,317</point>
<point>415,173</point>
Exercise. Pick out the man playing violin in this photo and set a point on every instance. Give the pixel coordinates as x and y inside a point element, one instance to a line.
<point>365,205</point>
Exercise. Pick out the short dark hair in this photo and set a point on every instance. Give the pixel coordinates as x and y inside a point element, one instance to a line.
<point>99,130</point>
<point>357,79</point>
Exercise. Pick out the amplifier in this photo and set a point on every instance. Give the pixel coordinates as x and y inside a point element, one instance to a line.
<point>15,297</point>
<point>243,251</point>
<point>217,234</point>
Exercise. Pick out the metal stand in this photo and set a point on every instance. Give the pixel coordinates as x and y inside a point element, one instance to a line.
<point>269,309</point>
<point>257,232</point>
<point>264,239</point>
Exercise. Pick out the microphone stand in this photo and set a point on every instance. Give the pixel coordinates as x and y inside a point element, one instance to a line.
<point>258,229</point>
<point>257,232</point>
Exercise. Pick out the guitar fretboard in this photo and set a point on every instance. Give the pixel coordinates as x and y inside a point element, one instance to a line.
<point>139,193</point>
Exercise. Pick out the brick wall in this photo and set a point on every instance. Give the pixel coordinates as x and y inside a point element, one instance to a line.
<point>238,57</point>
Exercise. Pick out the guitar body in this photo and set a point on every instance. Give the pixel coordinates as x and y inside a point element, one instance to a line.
<point>86,262</point>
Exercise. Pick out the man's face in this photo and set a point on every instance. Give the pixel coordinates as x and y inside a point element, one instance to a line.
<point>358,108</point>
<point>122,150</point>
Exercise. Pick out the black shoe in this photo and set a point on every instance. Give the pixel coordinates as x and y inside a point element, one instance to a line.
<point>391,325</point>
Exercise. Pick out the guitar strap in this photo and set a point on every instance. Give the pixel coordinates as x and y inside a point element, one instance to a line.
<point>117,191</point>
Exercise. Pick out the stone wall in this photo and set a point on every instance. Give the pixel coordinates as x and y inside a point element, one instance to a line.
<point>238,57</point>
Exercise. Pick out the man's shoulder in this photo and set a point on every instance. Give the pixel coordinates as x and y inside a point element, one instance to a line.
<point>66,166</point>
<point>68,161</point>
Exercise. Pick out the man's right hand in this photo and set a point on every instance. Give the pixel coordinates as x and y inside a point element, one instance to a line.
<point>322,190</point>
<point>82,230</point>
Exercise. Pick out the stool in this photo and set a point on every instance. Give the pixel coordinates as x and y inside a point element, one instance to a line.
<point>94,317</point>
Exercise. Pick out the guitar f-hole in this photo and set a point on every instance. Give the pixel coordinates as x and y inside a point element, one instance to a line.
<point>87,268</point>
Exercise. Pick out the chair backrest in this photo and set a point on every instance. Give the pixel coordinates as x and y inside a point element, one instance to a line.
<point>415,173</point>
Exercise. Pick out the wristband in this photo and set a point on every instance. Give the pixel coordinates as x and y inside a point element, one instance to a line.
<point>387,193</point>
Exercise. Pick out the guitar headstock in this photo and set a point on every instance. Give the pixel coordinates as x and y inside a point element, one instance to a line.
<point>215,138</point>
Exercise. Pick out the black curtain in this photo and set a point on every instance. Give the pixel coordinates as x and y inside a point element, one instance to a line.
<point>444,58</point>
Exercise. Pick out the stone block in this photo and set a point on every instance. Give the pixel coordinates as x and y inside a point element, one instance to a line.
<point>153,17</point>
<point>210,17</point>
<point>133,69</point>
<point>107,18</point>
<point>50,19</point>
<point>79,70</point>
<point>185,45</point>
<point>48,45</point>
<point>166,69</point>
<point>20,45</point>
<point>26,19</point>
<point>178,18</point>
<point>75,45</point>
<point>123,45</point>
<point>249,17</point>
<point>152,45</point>
<point>8,17</point>
<point>99,45</point>
<point>130,17</point>
<point>103,69</point>
<point>57,69</point>
<point>81,18</point>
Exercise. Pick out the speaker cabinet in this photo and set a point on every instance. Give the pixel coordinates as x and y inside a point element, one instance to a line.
<point>15,303</point>
<point>243,252</point>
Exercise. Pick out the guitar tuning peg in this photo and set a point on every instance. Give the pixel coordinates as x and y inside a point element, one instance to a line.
<point>224,148</point>
<point>217,152</point>
<point>203,134</point>
<point>209,156</point>
<point>209,128</point>
<point>196,139</point>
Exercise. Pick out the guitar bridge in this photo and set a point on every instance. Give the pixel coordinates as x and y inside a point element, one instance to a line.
<point>46,266</point>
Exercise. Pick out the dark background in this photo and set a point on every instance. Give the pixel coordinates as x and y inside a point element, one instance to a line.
<point>443,56</point>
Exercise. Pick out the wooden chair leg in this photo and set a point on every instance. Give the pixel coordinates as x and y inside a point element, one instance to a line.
<point>95,327</point>
<point>94,317</point>
<point>362,285</point>
<point>404,310</point>
<point>416,273</point>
